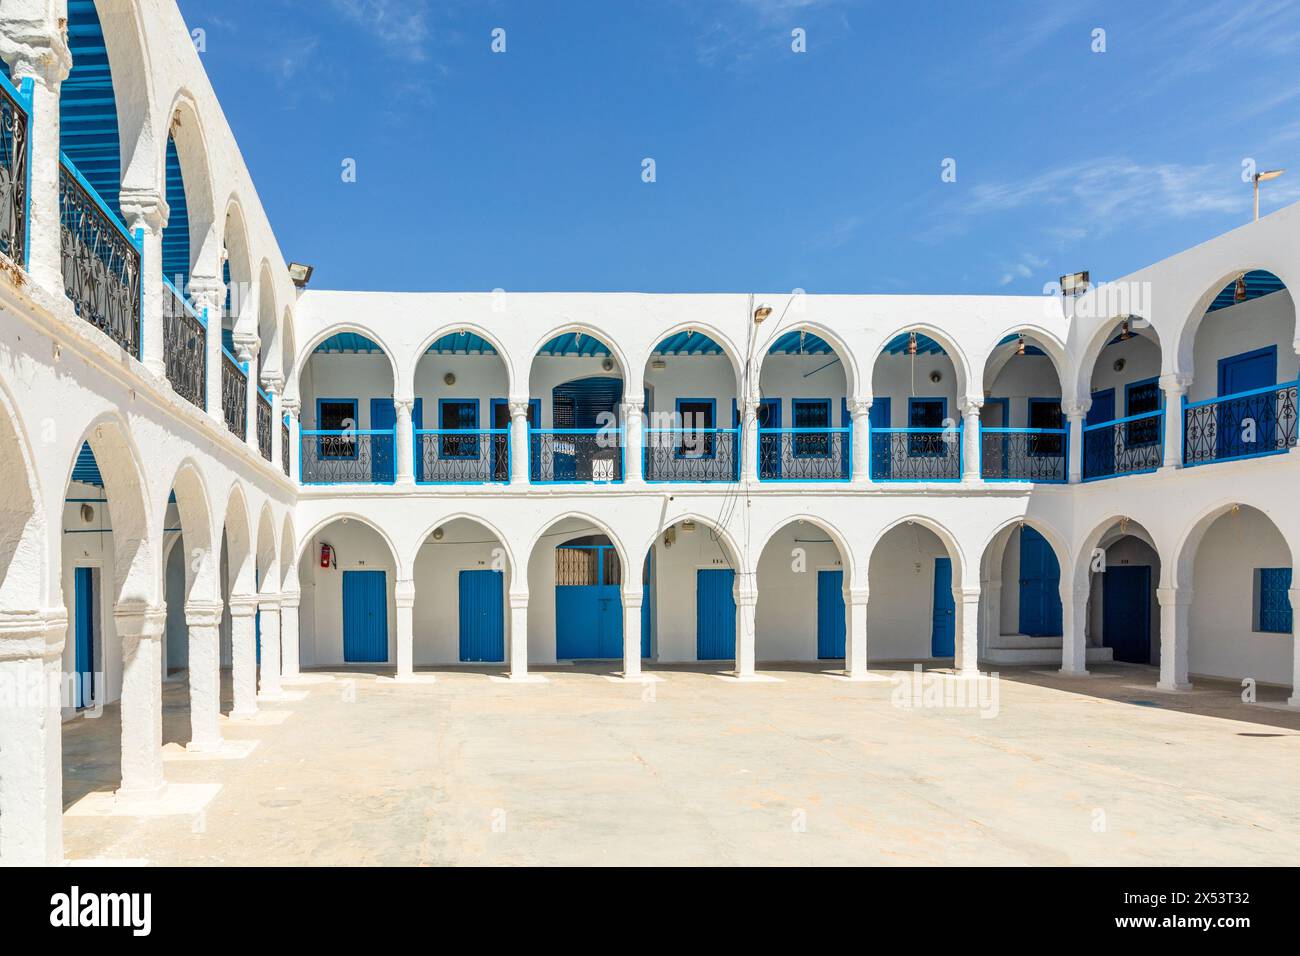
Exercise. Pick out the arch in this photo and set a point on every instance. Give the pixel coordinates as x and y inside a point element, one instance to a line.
<point>234,242</point>
<point>960,361</point>
<point>847,558</point>
<point>239,537</point>
<point>321,525</point>
<point>601,526</point>
<point>339,328</point>
<point>288,554</point>
<point>1101,337</point>
<point>713,332</point>
<point>268,321</point>
<point>511,565</point>
<point>1057,540</point>
<point>288,353</point>
<point>407,385</point>
<point>1185,337</point>
<point>580,328</point>
<point>1083,553</point>
<point>949,540</point>
<point>1042,337</point>
<point>852,377</point>
<point>724,538</point>
<point>193,504</point>
<point>186,130</point>
<point>23,565</point>
<point>268,570</point>
<point>1178,573</point>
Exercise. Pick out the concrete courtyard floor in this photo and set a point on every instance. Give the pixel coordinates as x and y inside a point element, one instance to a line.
<point>700,770</point>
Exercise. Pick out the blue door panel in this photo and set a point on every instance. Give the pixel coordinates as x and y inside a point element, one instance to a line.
<point>1243,373</point>
<point>84,599</point>
<point>589,622</point>
<point>1040,586</point>
<point>881,416</point>
<point>830,615</point>
<point>943,631</point>
<point>1126,613</point>
<point>383,467</point>
<point>715,615</point>
<point>365,617</point>
<point>482,616</point>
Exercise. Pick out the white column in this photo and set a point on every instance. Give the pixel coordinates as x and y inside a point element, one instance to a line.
<point>746,595</point>
<point>1174,605</point>
<point>1175,389</point>
<point>269,672</point>
<point>634,452</point>
<point>520,452</point>
<point>1076,413</point>
<point>141,630</point>
<point>632,601</point>
<point>243,654</point>
<point>247,350</point>
<point>1074,640</point>
<point>290,655</point>
<point>749,422</point>
<point>146,211</point>
<point>273,383</point>
<point>404,598</point>
<point>292,407</point>
<point>968,642</point>
<point>518,635</point>
<point>860,410</point>
<point>1294,700</point>
<point>991,615</point>
<point>207,295</point>
<point>405,441</point>
<point>970,465</point>
<point>31,751</point>
<point>855,628</point>
<point>203,619</point>
<point>42,57</point>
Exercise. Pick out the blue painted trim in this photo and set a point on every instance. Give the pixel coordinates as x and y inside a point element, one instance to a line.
<point>201,319</point>
<point>1235,395</point>
<point>1128,418</point>
<point>27,101</point>
<point>1269,351</point>
<point>24,98</point>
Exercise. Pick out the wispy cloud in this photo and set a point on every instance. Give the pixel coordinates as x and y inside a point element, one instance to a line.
<point>734,34</point>
<point>295,55</point>
<point>401,26</point>
<point>1025,267</point>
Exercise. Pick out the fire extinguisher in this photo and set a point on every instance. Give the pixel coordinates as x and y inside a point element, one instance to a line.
<point>327,557</point>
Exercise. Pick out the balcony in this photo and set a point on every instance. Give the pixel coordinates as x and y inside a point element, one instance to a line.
<point>1249,424</point>
<point>349,457</point>
<point>916,454</point>
<point>804,454</point>
<point>15,126</point>
<point>1126,446</point>
<point>462,457</point>
<point>575,455</point>
<point>184,347</point>
<point>284,448</point>
<point>1040,455</point>
<point>234,395</point>
<point>691,454</point>
<point>264,424</point>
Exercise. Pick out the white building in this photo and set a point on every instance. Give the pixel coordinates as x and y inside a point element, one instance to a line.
<point>527,479</point>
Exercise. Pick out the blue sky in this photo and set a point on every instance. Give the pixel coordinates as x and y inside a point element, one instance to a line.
<point>775,170</point>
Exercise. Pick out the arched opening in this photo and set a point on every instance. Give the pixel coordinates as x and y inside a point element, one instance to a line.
<point>915,418</point>
<point>461,413</point>
<point>913,611</point>
<point>238,579</point>
<point>1023,435</point>
<point>348,611</point>
<point>802,578</point>
<point>266,627</point>
<point>1242,396</point>
<point>575,584</point>
<point>349,432</point>
<point>803,417</point>
<point>462,580</point>
<point>1239,569</point>
<point>688,607</point>
<point>1022,618</point>
<point>1123,571</point>
<point>1124,431</point>
<point>577,384</point>
<point>692,420</point>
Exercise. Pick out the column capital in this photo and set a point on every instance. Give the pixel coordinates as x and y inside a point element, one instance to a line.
<point>269,602</point>
<point>518,599</point>
<point>404,592</point>
<point>203,613</point>
<point>403,403</point>
<point>43,53</point>
<point>247,345</point>
<point>966,595</point>
<point>144,208</point>
<point>273,382</point>
<point>519,407</point>
<point>1075,409</point>
<point>290,599</point>
<point>633,599</point>
<point>146,622</point>
<point>33,635</point>
<point>634,407</point>
<point>291,406</point>
<point>243,605</point>
<point>859,595</point>
<point>208,292</point>
<point>1175,383</point>
<point>860,406</point>
<point>1174,596</point>
<point>971,405</point>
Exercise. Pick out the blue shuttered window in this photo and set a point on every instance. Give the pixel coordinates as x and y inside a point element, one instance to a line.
<point>1273,586</point>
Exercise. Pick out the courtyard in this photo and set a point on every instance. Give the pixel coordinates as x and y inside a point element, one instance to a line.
<point>699,769</point>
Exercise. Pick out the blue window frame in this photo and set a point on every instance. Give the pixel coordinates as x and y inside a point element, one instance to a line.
<point>1045,413</point>
<point>458,414</point>
<point>1273,600</point>
<point>1248,371</point>
<point>696,415</point>
<point>811,413</point>
<point>336,414</point>
<point>1140,398</point>
<point>926,413</point>
<point>1005,405</point>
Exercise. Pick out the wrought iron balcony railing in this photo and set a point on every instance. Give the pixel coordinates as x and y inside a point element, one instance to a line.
<point>234,395</point>
<point>285,451</point>
<point>1245,425</point>
<point>691,454</point>
<point>916,454</point>
<point>1126,446</point>
<point>447,456</point>
<point>1025,454</point>
<point>349,457</point>
<point>264,424</point>
<point>184,346</point>
<point>804,454</point>
<point>101,261</point>
<point>575,455</point>
<point>15,132</point>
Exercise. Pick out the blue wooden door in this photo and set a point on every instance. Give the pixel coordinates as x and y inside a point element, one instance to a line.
<point>84,599</point>
<point>830,615</point>
<point>365,617</point>
<point>1099,445</point>
<point>1126,613</point>
<point>882,467</point>
<point>589,617</point>
<point>943,630</point>
<point>769,443</point>
<point>1244,373</point>
<point>609,631</point>
<point>383,466</point>
<point>482,616</point>
<point>715,615</point>
<point>1040,586</point>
